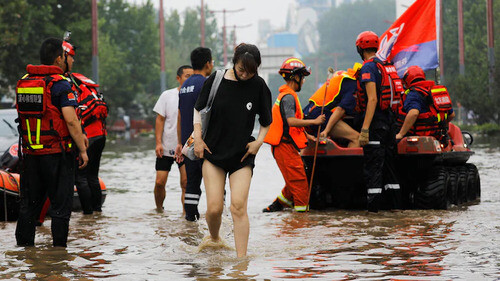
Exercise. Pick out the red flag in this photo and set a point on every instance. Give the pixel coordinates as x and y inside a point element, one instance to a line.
<point>412,38</point>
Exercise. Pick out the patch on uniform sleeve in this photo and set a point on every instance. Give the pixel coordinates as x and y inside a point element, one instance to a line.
<point>71,96</point>
<point>366,76</point>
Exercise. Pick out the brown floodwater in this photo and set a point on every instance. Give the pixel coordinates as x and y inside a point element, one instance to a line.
<point>129,240</point>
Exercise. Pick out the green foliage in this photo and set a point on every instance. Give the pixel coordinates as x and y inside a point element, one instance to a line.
<point>24,24</point>
<point>471,90</point>
<point>486,128</point>
<point>129,51</point>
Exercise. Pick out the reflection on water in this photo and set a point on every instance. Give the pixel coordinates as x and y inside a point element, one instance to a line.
<point>131,241</point>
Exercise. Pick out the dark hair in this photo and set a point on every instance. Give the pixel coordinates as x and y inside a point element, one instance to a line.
<point>248,55</point>
<point>51,48</point>
<point>199,57</point>
<point>180,70</point>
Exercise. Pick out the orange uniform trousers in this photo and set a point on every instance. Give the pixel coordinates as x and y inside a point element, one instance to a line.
<point>295,194</point>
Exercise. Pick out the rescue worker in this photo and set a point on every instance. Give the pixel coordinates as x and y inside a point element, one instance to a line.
<point>92,111</point>
<point>374,99</point>
<point>287,136</point>
<point>48,126</point>
<point>343,86</point>
<point>420,115</point>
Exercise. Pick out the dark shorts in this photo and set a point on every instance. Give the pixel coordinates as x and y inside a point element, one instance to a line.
<point>234,164</point>
<point>165,163</point>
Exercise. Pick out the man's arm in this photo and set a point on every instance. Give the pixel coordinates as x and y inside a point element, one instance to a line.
<point>410,119</point>
<point>178,149</point>
<point>75,130</point>
<point>295,122</point>
<point>159,126</point>
<point>371,92</point>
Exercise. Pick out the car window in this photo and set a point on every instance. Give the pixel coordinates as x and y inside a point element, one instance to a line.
<point>6,119</point>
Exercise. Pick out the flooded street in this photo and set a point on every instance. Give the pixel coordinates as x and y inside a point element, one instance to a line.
<point>131,241</point>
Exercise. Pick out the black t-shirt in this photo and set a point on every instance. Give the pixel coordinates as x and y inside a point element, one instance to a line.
<point>233,113</point>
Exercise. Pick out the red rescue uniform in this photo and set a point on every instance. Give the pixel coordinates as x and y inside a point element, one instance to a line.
<point>286,142</point>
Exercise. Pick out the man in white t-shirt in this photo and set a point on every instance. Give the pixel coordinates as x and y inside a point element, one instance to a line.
<point>167,108</point>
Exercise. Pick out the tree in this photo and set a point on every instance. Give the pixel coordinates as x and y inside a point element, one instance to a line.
<point>470,90</point>
<point>24,24</point>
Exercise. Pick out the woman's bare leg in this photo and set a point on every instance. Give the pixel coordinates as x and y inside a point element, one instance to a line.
<point>239,182</point>
<point>214,179</point>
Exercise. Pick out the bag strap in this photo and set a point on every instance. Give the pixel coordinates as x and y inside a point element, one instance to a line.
<point>215,86</point>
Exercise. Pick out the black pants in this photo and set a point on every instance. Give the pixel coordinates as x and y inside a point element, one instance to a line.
<point>87,179</point>
<point>193,190</point>
<point>49,175</point>
<point>382,185</point>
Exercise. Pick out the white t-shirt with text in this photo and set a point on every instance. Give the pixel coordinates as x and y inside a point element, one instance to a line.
<point>168,107</point>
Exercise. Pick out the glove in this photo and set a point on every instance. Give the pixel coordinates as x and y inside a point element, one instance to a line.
<point>364,137</point>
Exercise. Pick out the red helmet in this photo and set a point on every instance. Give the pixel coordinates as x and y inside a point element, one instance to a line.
<point>367,39</point>
<point>294,66</point>
<point>413,73</point>
<point>68,48</point>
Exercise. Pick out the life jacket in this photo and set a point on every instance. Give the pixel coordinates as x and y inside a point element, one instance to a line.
<point>92,109</point>
<point>333,89</point>
<point>442,101</point>
<point>42,128</point>
<point>427,122</point>
<point>390,91</point>
<point>279,129</point>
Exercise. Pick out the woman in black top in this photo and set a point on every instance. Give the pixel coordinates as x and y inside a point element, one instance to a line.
<point>228,147</point>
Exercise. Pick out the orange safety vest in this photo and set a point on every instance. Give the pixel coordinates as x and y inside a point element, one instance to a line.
<point>42,126</point>
<point>333,88</point>
<point>280,130</point>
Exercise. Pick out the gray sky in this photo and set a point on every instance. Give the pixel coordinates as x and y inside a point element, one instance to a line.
<point>274,10</point>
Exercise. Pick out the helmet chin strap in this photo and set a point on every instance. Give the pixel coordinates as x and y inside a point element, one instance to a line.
<point>66,61</point>
<point>299,84</point>
<point>360,52</point>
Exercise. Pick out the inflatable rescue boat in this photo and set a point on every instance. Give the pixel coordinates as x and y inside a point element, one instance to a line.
<point>9,187</point>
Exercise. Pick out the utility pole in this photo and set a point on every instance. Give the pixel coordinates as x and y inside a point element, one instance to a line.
<point>234,32</point>
<point>461,56</point>
<point>224,11</point>
<point>491,46</point>
<point>202,24</point>
<point>95,53</point>
<point>163,83</point>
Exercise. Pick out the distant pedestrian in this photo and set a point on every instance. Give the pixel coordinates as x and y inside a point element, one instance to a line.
<point>201,61</point>
<point>228,147</point>
<point>167,109</point>
<point>49,128</point>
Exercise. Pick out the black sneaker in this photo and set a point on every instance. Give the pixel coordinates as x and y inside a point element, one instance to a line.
<point>274,207</point>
